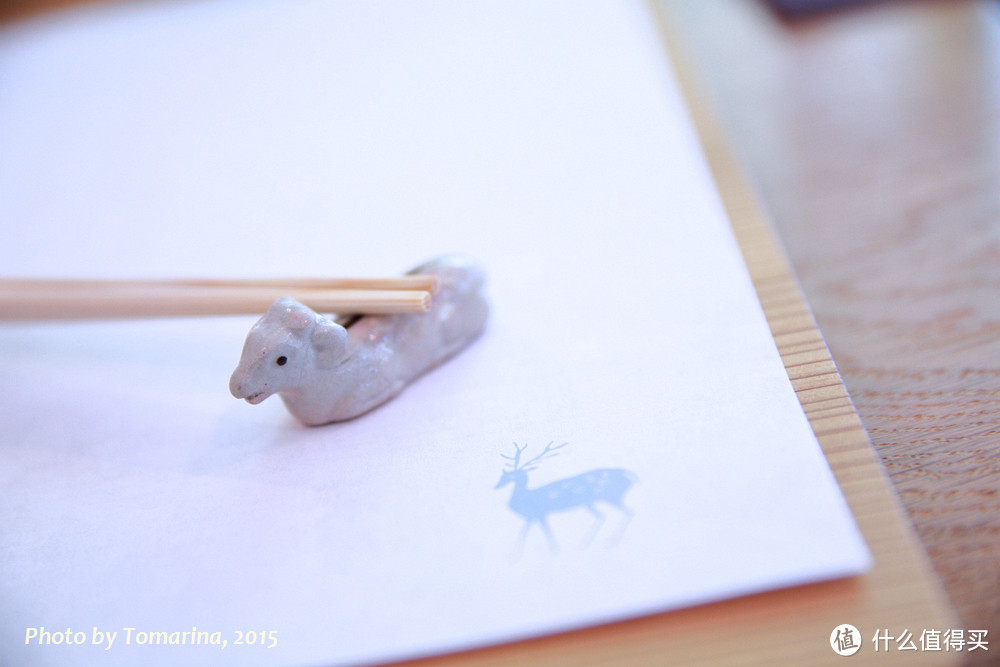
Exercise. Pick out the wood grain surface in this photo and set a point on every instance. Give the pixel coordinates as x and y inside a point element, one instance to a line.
<point>874,138</point>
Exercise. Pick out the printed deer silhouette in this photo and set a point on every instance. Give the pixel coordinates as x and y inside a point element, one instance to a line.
<point>582,491</point>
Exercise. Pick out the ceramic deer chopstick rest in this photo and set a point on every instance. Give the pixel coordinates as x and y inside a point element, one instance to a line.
<point>326,372</point>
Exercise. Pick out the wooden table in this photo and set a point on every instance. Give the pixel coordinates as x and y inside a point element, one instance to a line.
<point>873,135</point>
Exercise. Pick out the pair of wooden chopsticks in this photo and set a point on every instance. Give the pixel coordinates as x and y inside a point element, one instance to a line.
<point>43,299</point>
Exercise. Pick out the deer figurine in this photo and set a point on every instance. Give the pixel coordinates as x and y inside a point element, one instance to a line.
<point>327,372</point>
<point>582,491</point>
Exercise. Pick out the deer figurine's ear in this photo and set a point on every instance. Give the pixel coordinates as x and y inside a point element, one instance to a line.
<point>291,314</point>
<point>329,341</point>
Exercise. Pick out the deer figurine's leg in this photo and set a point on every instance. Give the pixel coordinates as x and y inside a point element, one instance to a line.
<point>622,525</point>
<point>594,528</point>
<point>544,523</point>
<point>522,538</point>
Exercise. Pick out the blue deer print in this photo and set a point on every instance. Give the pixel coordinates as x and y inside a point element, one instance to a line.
<point>583,491</point>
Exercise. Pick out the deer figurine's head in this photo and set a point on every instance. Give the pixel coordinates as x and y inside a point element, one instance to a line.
<point>516,469</point>
<point>283,348</point>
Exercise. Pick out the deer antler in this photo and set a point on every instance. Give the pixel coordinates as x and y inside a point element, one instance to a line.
<point>516,458</point>
<point>546,453</point>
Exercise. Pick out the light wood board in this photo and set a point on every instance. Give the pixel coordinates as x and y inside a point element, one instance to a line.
<point>789,626</point>
<point>885,197</point>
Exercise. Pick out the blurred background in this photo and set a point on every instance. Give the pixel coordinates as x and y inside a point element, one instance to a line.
<point>872,132</point>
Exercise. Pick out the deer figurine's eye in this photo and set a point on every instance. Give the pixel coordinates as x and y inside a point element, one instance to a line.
<point>282,360</point>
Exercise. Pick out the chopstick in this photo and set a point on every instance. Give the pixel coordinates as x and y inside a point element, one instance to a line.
<point>43,299</point>
<point>421,282</point>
